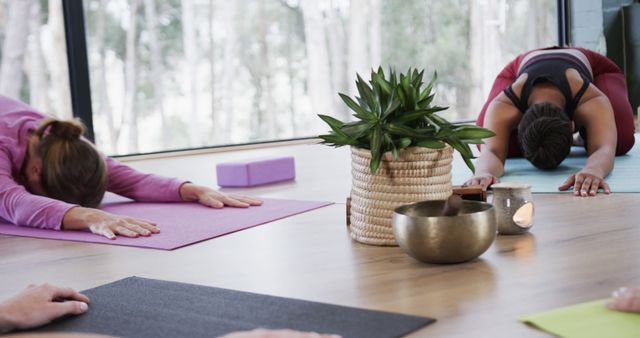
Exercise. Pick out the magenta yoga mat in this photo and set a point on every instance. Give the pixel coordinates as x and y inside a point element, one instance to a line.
<point>180,224</point>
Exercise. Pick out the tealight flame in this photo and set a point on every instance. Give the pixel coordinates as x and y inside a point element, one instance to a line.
<point>523,217</point>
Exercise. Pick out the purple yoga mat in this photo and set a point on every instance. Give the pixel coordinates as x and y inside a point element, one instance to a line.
<point>180,224</point>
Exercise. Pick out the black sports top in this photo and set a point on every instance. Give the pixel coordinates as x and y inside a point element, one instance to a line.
<point>551,68</point>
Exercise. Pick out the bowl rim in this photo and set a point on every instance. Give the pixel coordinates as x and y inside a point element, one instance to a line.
<point>401,210</point>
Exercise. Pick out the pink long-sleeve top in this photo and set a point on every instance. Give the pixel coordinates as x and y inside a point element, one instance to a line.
<point>20,207</point>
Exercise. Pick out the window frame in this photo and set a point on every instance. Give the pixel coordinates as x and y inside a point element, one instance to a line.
<point>76,41</point>
<point>562,8</point>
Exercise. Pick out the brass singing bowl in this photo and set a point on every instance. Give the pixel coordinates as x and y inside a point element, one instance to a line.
<point>428,237</point>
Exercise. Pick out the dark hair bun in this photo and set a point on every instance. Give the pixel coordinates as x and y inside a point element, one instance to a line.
<point>66,130</point>
<point>545,135</point>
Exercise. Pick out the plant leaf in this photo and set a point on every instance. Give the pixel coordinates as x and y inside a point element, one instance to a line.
<point>394,103</point>
<point>366,93</point>
<point>473,132</point>
<point>404,131</point>
<point>444,132</point>
<point>356,129</point>
<point>335,124</point>
<point>425,101</point>
<point>375,145</point>
<point>439,120</point>
<point>433,144</point>
<point>417,79</point>
<point>408,91</point>
<point>401,96</point>
<point>404,143</point>
<point>463,149</point>
<point>414,115</point>
<point>427,91</point>
<point>473,141</point>
<point>469,164</point>
<point>380,81</point>
<point>433,123</point>
<point>337,140</point>
<point>375,163</point>
<point>363,103</point>
<point>360,112</point>
<point>389,142</point>
<point>393,78</point>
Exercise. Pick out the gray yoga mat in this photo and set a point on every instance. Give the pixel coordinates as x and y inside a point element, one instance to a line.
<point>140,307</point>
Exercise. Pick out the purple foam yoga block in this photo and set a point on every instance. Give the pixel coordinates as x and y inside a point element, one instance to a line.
<point>255,172</point>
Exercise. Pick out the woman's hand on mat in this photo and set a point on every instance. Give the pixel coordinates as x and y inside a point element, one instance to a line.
<point>484,180</point>
<point>625,299</point>
<point>263,333</point>
<point>106,224</point>
<point>214,199</point>
<point>585,184</point>
<point>39,305</point>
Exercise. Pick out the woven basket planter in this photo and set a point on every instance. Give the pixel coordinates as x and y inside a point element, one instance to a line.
<point>419,174</point>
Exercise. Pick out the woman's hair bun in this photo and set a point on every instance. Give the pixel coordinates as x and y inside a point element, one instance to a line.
<point>67,130</point>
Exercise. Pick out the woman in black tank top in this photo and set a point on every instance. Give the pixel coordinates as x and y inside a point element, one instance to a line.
<point>551,68</point>
<point>545,132</point>
<point>550,98</point>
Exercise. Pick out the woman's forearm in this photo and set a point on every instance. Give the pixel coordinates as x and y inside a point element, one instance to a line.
<point>600,162</point>
<point>144,187</point>
<point>78,218</point>
<point>489,163</point>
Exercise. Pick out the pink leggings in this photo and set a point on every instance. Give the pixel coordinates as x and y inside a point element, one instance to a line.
<point>606,76</point>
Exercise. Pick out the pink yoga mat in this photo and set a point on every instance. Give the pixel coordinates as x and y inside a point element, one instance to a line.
<point>180,224</point>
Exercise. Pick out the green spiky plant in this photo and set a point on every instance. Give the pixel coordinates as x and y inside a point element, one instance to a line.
<point>395,113</point>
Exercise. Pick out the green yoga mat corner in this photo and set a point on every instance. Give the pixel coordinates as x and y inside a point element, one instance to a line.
<point>587,320</point>
<point>625,176</point>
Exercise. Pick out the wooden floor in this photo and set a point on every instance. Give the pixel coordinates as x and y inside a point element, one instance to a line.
<point>579,250</point>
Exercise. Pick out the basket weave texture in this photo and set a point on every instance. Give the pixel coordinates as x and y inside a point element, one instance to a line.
<point>419,174</point>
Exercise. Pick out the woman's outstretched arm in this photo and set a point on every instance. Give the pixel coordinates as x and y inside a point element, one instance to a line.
<point>596,115</point>
<point>501,118</point>
<point>128,182</point>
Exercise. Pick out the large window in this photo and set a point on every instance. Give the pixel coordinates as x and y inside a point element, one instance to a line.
<point>33,57</point>
<point>174,74</point>
<point>192,73</point>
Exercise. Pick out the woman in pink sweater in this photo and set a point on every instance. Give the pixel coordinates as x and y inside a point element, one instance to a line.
<point>51,178</point>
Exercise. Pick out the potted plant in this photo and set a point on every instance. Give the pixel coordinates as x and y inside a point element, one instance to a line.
<point>401,149</point>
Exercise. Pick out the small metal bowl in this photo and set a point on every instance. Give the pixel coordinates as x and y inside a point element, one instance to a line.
<point>428,237</point>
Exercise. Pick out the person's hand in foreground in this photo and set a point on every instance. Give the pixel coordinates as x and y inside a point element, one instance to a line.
<point>215,199</point>
<point>585,184</point>
<point>263,333</point>
<point>39,305</point>
<point>106,224</point>
<point>483,180</point>
<point>626,299</point>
